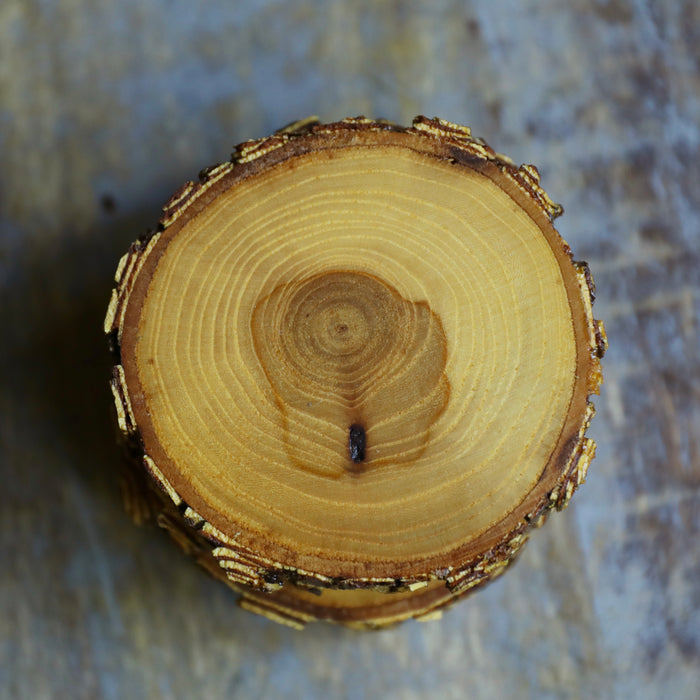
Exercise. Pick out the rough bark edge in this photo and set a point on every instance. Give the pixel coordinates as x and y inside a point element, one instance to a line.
<point>147,498</point>
<point>243,569</point>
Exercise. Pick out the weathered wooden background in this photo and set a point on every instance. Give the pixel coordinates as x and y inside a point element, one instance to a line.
<point>106,107</point>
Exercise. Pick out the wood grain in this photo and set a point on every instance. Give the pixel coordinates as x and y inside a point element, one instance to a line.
<point>287,378</point>
<point>105,106</point>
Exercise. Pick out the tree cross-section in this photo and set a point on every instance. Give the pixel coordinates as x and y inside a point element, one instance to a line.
<point>355,362</point>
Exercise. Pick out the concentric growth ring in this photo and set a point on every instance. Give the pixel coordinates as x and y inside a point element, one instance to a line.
<point>358,353</point>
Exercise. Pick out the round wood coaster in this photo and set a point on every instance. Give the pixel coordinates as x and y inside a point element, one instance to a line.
<point>355,362</point>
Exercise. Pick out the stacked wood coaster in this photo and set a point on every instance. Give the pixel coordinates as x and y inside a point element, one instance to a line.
<point>354,366</point>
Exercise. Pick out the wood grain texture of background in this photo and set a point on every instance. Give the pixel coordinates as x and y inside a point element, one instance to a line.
<point>105,108</point>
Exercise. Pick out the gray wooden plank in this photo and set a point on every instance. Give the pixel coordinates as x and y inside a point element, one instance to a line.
<point>105,108</point>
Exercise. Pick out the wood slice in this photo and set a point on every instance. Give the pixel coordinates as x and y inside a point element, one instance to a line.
<point>356,362</point>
